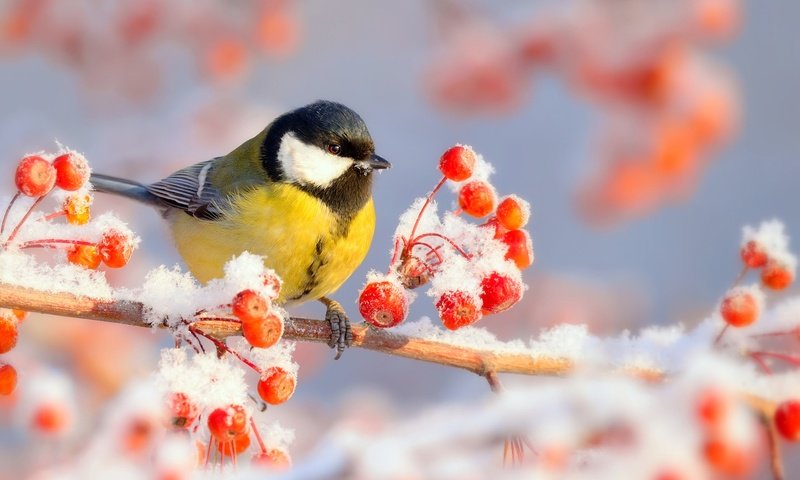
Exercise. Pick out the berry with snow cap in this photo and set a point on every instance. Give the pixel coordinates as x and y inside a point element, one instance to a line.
<point>383,304</point>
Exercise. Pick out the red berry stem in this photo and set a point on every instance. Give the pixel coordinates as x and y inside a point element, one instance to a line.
<point>422,210</point>
<point>8,210</point>
<point>721,333</point>
<point>22,221</point>
<point>741,275</point>
<point>53,215</point>
<point>257,434</point>
<point>222,347</point>
<point>794,331</point>
<point>396,252</point>
<point>760,362</point>
<point>431,250</point>
<point>791,359</point>
<point>439,235</point>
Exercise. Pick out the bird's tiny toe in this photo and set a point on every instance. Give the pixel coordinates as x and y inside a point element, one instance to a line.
<point>341,332</point>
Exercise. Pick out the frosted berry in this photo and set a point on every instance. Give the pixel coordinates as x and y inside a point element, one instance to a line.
<point>787,420</point>
<point>520,248</point>
<point>726,457</point>
<point>265,332</point>
<point>8,379</point>
<point>227,423</point>
<point>276,386</point>
<point>35,176</point>
<point>115,248</point>
<point>499,292</point>
<point>249,305</point>
<point>776,275</point>
<point>8,331</point>
<point>458,309</point>
<point>72,171</point>
<point>383,304</point>
<point>740,308</point>
<point>513,212</point>
<point>274,459</point>
<point>753,255</point>
<point>76,209</point>
<point>477,198</point>
<point>271,280</point>
<point>497,229</point>
<point>457,163</point>
<point>183,412</point>
<point>87,256</point>
<point>713,407</point>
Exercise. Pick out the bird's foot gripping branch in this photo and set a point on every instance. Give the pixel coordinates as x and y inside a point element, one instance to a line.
<point>732,376</point>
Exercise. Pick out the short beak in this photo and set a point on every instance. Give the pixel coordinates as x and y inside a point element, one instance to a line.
<point>378,163</point>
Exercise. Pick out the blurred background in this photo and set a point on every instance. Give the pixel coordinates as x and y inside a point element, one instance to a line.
<point>645,134</point>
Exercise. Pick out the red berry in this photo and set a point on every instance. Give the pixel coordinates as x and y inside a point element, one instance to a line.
<point>265,332</point>
<point>183,412</point>
<point>726,457</point>
<point>787,420</point>
<point>237,446</point>
<point>227,423</point>
<point>520,248</point>
<point>513,212</point>
<point>753,255</point>
<point>739,308</point>
<point>8,379</point>
<point>8,331</point>
<point>35,176</point>
<point>115,248</point>
<point>274,459</point>
<point>20,314</point>
<point>249,305</point>
<point>76,209</point>
<point>713,407</point>
<point>50,418</point>
<point>276,386</point>
<point>457,309</point>
<point>87,256</point>
<point>383,304</point>
<point>477,198</point>
<point>776,275</point>
<point>138,435</point>
<point>72,171</point>
<point>499,292</point>
<point>457,163</point>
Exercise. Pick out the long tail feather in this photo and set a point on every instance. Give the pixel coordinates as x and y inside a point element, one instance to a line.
<point>124,188</point>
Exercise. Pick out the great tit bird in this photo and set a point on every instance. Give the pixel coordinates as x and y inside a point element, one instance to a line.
<point>299,193</point>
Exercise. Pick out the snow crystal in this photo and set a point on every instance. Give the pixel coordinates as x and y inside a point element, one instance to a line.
<point>22,269</point>
<point>562,341</point>
<point>429,222</point>
<point>209,381</point>
<point>279,355</point>
<point>276,436</point>
<point>469,337</point>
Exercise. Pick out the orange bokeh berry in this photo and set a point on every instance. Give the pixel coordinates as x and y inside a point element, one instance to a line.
<point>740,308</point>
<point>50,418</point>
<point>8,330</point>
<point>776,275</point>
<point>787,420</point>
<point>273,459</point>
<point>8,379</point>
<point>753,254</point>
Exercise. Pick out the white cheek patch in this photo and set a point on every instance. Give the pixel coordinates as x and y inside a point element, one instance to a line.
<point>308,164</point>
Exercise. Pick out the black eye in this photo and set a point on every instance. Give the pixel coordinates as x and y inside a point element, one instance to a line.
<point>334,148</point>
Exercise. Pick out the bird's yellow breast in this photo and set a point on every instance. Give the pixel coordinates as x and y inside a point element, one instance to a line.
<point>313,250</point>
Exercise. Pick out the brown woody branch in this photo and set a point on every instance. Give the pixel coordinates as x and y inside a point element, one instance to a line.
<point>482,362</point>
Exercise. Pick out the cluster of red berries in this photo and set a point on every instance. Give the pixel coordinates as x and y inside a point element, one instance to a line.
<point>765,249</point>
<point>9,332</point>
<point>644,68</point>
<point>231,431</point>
<point>726,454</point>
<point>222,40</point>
<point>383,302</point>
<point>36,177</point>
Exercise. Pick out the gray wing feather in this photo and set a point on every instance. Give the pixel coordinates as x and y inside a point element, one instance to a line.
<point>190,190</point>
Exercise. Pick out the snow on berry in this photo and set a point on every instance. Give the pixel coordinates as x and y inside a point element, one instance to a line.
<point>35,176</point>
<point>72,171</point>
<point>383,302</point>
<point>520,248</point>
<point>768,246</point>
<point>742,306</point>
<point>47,404</point>
<point>276,385</point>
<point>227,422</point>
<point>86,256</point>
<point>458,309</point>
<point>115,248</point>
<point>76,208</point>
<point>777,275</point>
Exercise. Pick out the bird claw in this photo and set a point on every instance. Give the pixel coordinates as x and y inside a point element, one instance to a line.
<point>341,332</point>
